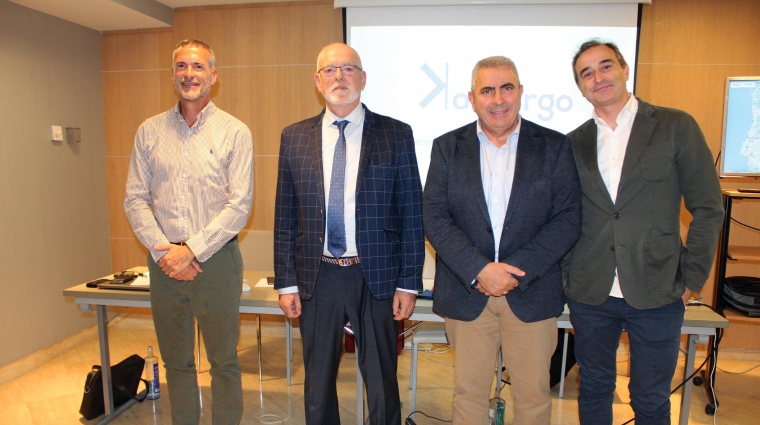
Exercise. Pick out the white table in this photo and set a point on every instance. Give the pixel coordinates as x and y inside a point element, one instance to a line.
<point>257,301</point>
<point>699,322</point>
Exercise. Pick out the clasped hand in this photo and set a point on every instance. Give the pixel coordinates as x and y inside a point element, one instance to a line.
<point>179,262</point>
<point>497,279</point>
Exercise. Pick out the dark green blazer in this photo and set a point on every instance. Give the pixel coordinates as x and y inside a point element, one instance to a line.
<point>667,161</point>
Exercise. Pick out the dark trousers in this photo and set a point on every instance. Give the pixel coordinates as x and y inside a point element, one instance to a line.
<point>213,298</point>
<point>339,292</point>
<point>654,337</point>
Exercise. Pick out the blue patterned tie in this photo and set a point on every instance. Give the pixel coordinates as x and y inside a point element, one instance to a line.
<point>336,226</point>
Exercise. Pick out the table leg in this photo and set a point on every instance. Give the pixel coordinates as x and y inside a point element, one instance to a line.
<point>691,348</point>
<point>105,359</point>
<point>708,378</point>
<point>288,347</point>
<point>564,365</point>
<point>258,342</point>
<point>105,368</point>
<point>198,339</point>
<point>198,360</point>
<point>499,370</point>
<point>359,390</point>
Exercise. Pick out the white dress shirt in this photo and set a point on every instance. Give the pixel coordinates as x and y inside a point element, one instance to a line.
<point>497,170</point>
<point>353,133</point>
<point>611,145</point>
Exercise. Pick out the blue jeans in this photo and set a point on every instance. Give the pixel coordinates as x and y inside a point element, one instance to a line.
<point>654,337</point>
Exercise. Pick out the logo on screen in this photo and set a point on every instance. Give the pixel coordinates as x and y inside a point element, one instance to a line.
<point>547,102</point>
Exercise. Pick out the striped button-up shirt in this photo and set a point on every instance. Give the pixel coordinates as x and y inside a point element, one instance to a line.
<point>190,184</point>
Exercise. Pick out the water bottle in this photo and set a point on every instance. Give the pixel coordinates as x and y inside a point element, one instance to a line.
<point>151,375</point>
<point>496,411</point>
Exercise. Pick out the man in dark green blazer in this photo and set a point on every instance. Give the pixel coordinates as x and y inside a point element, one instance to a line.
<point>630,268</point>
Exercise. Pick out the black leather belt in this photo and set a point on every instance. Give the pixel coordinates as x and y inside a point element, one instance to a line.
<point>343,262</point>
<point>182,243</point>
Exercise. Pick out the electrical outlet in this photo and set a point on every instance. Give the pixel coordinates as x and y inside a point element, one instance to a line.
<point>56,133</point>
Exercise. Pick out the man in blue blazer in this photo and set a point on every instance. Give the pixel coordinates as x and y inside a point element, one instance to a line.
<point>630,269</point>
<point>501,208</point>
<point>348,237</point>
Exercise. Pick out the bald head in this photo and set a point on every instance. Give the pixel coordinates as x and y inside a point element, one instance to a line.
<point>338,49</point>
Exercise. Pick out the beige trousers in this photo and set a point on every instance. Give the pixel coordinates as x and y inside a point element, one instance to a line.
<point>527,349</point>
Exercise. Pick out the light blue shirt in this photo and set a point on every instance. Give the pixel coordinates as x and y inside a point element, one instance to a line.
<point>497,171</point>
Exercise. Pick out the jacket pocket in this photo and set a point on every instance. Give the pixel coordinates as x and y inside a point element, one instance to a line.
<point>656,162</point>
<point>661,261</point>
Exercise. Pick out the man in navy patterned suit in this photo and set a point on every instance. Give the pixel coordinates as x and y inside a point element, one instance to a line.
<point>348,237</point>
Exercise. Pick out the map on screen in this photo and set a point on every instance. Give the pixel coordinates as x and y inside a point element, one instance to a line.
<point>741,146</point>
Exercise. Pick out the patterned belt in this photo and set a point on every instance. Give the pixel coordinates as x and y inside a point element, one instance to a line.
<point>343,262</point>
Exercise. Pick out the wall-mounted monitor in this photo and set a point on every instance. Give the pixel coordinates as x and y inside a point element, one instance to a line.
<point>741,128</point>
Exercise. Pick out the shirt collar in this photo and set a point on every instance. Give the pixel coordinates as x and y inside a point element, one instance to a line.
<point>202,116</point>
<point>629,110</point>
<point>356,116</point>
<point>516,133</point>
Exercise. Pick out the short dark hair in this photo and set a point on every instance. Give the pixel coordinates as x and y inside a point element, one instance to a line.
<point>593,43</point>
<point>194,43</point>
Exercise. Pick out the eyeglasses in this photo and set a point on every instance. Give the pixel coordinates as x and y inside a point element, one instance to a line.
<point>329,71</point>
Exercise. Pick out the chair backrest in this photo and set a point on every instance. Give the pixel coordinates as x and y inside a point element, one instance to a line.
<point>428,269</point>
<point>257,249</point>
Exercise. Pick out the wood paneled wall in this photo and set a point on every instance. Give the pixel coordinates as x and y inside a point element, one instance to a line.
<point>266,55</point>
<point>687,49</point>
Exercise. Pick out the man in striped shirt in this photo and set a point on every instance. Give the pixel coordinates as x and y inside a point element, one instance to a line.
<point>189,193</point>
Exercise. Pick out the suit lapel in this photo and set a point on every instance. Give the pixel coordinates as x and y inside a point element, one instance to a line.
<point>587,147</point>
<point>315,144</point>
<point>368,140</point>
<point>641,132</point>
<point>469,147</point>
<point>527,151</point>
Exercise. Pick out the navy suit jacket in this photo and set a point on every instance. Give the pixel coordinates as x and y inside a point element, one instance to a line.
<point>542,222</point>
<point>389,235</point>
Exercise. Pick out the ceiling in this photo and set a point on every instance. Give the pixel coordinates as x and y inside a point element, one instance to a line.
<point>111,15</point>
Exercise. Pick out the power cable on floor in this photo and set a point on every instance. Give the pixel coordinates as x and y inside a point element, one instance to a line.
<point>410,421</point>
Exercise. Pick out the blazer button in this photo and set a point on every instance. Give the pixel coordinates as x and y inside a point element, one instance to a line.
<point>612,247</point>
<point>616,215</point>
<point>488,229</point>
